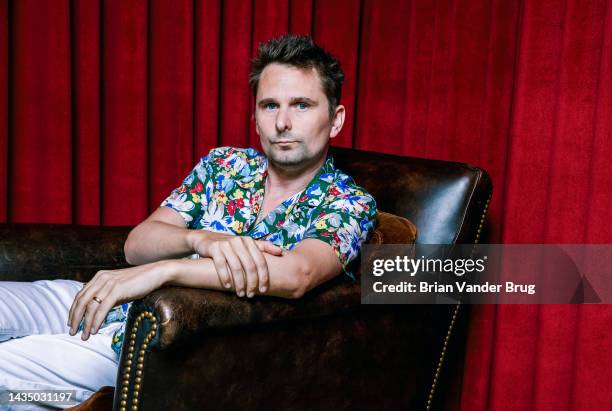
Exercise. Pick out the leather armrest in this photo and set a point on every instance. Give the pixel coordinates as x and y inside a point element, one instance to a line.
<point>182,312</point>
<point>30,252</point>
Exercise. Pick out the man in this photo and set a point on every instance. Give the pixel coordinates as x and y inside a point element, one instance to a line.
<point>276,224</point>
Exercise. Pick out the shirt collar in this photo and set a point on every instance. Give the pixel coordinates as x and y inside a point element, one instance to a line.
<point>316,191</point>
<point>317,188</point>
<point>311,197</point>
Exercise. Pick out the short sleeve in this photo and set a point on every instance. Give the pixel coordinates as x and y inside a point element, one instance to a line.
<point>345,224</point>
<point>196,189</point>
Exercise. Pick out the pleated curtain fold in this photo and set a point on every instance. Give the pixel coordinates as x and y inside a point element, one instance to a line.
<point>106,105</point>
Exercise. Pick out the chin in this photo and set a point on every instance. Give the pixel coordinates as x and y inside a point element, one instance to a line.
<point>287,157</point>
<point>287,160</point>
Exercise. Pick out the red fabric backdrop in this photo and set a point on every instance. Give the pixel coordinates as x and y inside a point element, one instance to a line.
<point>105,106</point>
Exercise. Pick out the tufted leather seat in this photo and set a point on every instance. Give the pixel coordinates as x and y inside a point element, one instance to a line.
<point>203,349</point>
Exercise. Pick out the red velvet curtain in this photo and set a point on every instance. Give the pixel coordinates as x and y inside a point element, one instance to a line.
<point>106,105</point>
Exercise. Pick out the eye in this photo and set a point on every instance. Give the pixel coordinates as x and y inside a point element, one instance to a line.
<point>302,106</point>
<point>270,106</point>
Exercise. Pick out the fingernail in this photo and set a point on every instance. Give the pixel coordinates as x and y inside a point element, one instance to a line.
<point>71,331</point>
<point>227,285</point>
<point>251,294</point>
<point>263,289</point>
<point>240,293</point>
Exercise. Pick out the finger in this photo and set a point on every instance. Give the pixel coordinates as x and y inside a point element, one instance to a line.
<point>90,310</point>
<point>262,266</point>
<point>103,295</point>
<point>73,305</point>
<point>80,304</point>
<point>108,302</point>
<point>270,248</point>
<point>235,268</point>
<point>222,269</point>
<point>229,271</point>
<point>78,297</point>
<point>85,288</point>
<point>94,306</point>
<point>249,266</point>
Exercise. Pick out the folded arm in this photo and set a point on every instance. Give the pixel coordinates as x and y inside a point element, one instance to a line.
<point>161,236</point>
<point>310,263</point>
<point>291,275</point>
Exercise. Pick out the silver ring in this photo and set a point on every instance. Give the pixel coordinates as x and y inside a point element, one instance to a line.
<point>96,299</point>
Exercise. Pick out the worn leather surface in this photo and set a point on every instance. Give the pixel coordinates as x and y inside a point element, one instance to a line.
<point>271,353</point>
<point>30,252</point>
<point>185,311</point>
<point>216,351</point>
<point>392,229</point>
<point>379,357</point>
<point>37,251</point>
<point>325,351</point>
<point>443,199</point>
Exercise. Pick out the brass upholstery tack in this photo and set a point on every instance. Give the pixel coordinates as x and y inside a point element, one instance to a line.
<point>434,384</point>
<point>139,361</point>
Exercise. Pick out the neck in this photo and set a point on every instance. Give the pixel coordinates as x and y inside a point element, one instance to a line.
<point>289,181</point>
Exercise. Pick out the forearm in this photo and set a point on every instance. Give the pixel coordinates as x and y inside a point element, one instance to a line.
<point>287,278</point>
<point>155,240</point>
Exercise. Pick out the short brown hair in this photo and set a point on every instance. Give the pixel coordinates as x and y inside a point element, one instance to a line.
<point>302,52</point>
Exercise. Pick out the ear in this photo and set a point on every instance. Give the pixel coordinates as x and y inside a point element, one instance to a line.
<point>337,121</point>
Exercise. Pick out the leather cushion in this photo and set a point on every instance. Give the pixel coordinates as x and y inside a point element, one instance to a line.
<point>393,229</point>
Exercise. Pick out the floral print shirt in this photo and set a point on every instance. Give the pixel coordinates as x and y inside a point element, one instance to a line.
<point>224,193</point>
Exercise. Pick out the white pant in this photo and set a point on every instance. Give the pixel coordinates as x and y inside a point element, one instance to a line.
<point>36,351</point>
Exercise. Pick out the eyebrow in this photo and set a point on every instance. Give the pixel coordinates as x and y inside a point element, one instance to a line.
<point>265,101</point>
<point>303,100</point>
<point>293,100</point>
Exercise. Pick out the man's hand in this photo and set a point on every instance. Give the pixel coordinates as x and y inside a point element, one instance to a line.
<point>110,288</point>
<point>238,260</point>
<point>240,263</point>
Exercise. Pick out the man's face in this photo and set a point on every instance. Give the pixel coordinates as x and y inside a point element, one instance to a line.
<point>292,116</point>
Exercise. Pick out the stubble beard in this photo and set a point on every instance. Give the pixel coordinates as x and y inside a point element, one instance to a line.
<point>295,156</point>
<point>290,158</point>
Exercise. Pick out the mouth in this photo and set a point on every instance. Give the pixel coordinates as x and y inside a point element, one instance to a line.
<point>284,142</point>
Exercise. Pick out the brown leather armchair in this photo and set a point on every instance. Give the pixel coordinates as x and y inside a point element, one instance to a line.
<point>202,349</point>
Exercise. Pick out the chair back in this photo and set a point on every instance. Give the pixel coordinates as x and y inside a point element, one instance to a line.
<point>447,201</point>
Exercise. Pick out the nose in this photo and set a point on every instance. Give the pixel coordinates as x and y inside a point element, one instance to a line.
<point>283,120</point>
